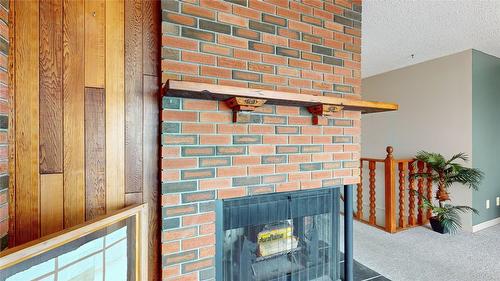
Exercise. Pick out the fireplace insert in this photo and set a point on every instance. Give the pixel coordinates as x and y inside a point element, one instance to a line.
<point>281,236</point>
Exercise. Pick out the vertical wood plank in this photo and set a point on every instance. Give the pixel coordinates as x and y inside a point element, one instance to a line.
<point>12,127</point>
<point>151,182</point>
<point>27,126</point>
<point>151,43</point>
<point>95,153</point>
<point>115,105</point>
<point>133,96</point>
<point>51,135</point>
<point>73,91</point>
<point>51,203</point>
<point>151,132</point>
<point>133,198</point>
<point>94,43</point>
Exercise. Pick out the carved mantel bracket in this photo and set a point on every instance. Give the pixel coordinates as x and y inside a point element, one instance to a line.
<point>320,112</point>
<point>238,104</point>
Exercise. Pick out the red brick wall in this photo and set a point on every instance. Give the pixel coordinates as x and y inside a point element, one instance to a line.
<point>307,47</point>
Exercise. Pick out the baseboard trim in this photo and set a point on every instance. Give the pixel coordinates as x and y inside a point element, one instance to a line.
<point>486,224</point>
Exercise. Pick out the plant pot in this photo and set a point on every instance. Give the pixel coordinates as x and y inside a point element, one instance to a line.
<point>436,225</point>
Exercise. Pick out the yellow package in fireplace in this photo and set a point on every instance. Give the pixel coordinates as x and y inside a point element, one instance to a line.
<point>275,234</point>
<point>278,246</point>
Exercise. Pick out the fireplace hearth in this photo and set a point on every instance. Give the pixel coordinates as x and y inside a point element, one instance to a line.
<point>280,236</point>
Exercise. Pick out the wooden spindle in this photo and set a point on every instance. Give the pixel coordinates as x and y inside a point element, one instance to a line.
<point>402,176</point>
<point>429,191</point>
<point>420,186</point>
<point>411,185</point>
<point>359,193</point>
<point>390,191</point>
<point>372,218</point>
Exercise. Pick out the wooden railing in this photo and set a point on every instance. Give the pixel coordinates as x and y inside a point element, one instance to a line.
<point>123,231</point>
<point>401,210</point>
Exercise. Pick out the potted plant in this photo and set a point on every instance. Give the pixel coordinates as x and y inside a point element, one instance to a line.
<point>445,173</point>
<point>445,218</point>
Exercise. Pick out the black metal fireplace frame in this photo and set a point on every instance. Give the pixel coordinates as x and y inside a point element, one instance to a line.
<point>348,232</point>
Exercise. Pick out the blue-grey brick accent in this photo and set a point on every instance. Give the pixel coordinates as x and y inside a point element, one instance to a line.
<point>310,166</point>
<point>174,187</point>
<point>242,181</point>
<point>247,139</point>
<point>171,103</point>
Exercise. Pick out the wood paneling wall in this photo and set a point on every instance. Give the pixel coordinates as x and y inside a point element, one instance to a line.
<point>95,155</point>
<point>5,59</point>
<point>51,56</point>
<point>86,114</point>
<point>27,108</point>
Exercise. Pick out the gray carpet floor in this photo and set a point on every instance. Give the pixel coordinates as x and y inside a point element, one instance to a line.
<point>421,254</point>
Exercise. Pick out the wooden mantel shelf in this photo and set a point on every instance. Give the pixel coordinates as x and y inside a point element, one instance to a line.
<point>196,90</point>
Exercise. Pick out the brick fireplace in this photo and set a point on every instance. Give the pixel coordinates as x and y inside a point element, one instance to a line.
<point>308,47</point>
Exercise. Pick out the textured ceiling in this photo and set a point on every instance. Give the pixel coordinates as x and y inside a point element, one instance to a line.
<point>395,29</point>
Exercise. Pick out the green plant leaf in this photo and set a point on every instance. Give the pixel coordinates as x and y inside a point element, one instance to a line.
<point>465,209</point>
<point>469,177</point>
<point>462,156</point>
<point>435,160</point>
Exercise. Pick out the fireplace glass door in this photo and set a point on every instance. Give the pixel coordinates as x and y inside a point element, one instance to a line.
<point>280,236</point>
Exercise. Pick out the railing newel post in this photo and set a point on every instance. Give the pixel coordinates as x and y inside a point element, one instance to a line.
<point>390,191</point>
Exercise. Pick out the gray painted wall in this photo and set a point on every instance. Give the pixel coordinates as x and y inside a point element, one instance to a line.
<point>486,132</point>
<point>435,115</point>
<point>447,105</point>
